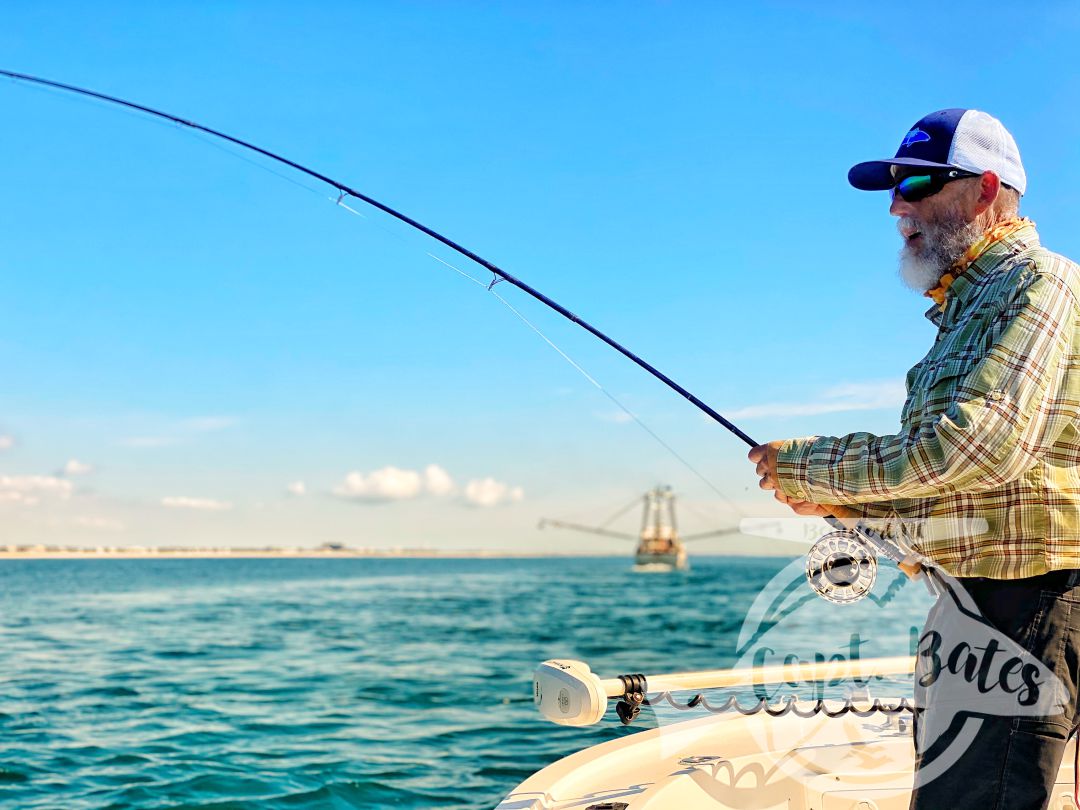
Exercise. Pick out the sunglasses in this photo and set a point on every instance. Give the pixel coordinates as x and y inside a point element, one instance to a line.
<point>917,187</point>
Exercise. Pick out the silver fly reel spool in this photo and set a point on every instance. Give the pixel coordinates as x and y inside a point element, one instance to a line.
<point>841,568</point>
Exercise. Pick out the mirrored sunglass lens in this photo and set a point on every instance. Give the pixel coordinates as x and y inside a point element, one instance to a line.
<point>915,187</point>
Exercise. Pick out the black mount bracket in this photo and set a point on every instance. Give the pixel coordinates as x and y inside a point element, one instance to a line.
<point>634,688</point>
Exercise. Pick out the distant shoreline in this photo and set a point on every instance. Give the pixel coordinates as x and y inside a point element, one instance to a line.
<point>306,554</point>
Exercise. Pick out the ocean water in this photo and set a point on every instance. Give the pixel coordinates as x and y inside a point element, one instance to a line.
<point>352,683</point>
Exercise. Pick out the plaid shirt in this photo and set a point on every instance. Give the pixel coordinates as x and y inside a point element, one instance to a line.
<point>990,430</point>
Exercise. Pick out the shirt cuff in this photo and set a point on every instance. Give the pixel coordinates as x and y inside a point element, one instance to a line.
<point>792,465</point>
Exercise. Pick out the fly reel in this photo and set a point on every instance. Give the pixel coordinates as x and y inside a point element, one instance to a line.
<point>841,568</point>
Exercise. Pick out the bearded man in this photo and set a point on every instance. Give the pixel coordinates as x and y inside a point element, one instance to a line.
<point>989,438</point>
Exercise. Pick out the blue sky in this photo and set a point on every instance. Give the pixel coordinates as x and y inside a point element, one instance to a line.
<point>198,334</point>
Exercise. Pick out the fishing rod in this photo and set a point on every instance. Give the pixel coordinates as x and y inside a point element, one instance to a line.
<point>347,191</point>
<point>824,586</point>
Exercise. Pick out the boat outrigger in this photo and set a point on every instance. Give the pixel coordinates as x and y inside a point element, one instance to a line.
<point>659,545</point>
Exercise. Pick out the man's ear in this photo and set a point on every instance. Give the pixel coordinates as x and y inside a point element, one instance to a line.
<point>989,188</point>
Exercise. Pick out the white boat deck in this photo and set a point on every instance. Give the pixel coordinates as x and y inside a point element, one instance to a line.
<point>730,761</point>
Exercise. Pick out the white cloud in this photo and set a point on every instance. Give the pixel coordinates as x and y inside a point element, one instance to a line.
<point>618,417</point>
<point>30,489</point>
<point>297,488</point>
<point>75,467</point>
<point>99,524</point>
<point>487,492</point>
<point>846,397</point>
<point>395,484</point>
<point>198,504</point>
<point>437,481</point>
<point>6,442</point>
<point>386,484</point>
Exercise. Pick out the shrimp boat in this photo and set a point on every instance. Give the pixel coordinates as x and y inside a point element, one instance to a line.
<point>792,755</point>
<point>659,545</point>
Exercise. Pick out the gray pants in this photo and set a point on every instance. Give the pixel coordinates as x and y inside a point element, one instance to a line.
<point>1010,762</point>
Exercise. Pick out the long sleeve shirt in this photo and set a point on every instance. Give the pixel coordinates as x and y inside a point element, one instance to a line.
<point>983,477</point>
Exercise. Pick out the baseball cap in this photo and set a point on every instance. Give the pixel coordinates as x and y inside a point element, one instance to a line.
<point>949,139</point>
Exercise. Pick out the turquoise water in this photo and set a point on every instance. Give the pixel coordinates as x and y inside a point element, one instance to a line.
<point>278,683</point>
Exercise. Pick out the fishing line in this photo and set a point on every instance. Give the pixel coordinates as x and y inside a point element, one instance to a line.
<point>706,519</point>
<point>346,190</point>
<point>457,270</point>
<point>490,287</point>
<point>343,190</point>
<point>240,156</point>
<point>170,125</point>
<point>339,201</point>
<point>868,538</point>
<point>637,420</point>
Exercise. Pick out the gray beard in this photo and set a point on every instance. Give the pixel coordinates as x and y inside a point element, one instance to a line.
<point>943,243</point>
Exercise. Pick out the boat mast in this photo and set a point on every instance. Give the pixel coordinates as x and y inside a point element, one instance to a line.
<point>669,495</point>
<point>658,526</point>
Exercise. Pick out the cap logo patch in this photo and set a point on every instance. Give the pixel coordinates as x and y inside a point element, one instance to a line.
<point>914,136</point>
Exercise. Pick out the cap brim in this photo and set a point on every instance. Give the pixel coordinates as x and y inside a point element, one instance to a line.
<point>876,175</point>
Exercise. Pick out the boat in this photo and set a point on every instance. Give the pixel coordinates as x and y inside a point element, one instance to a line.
<point>659,545</point>
<point>853,754</point>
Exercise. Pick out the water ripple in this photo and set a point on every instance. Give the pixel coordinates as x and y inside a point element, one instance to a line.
<point>242,684</point>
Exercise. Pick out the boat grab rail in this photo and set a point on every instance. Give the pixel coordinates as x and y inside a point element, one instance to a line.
<point>570,693</point>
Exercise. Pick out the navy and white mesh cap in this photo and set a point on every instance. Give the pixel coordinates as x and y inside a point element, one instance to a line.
<point>949,139</point>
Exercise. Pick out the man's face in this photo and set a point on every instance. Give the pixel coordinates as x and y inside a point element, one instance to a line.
<point>936,230</point>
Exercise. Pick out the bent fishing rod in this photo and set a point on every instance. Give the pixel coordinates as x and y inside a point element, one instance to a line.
<point>840,559</point>
<point>347,191</point>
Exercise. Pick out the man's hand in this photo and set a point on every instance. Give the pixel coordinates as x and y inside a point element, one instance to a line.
<point>764,456</point>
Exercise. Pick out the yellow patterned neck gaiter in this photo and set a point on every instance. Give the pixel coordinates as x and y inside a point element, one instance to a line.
<point>993,235</point>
